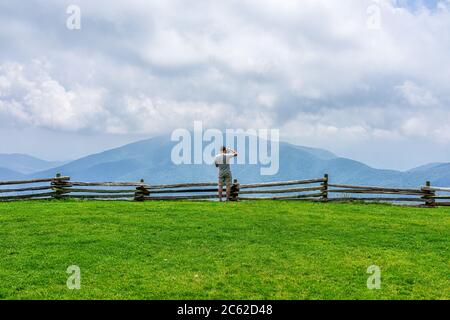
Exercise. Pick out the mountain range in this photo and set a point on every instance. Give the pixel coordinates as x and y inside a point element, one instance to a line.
<point>151,160</point>
<point>16,165</point>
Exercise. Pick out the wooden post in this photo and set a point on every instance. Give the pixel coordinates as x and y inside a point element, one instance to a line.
<point>141,192</point>
<point>325,188</point>
<point>59,187</point>
<point>234,192</point>
<point>428,195</point>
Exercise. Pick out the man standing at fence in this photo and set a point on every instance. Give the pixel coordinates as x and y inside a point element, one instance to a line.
<point>222,162</point>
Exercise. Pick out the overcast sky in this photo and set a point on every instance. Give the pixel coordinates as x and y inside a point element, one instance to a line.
<point>369,80</point>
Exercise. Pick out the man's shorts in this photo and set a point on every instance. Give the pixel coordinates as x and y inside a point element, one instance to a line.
<point>225,178</point>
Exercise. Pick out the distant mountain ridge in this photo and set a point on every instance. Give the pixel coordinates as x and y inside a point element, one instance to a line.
<point>25,164</point>
<point>7,174</point>
<point>151,160</point>
<point>428,166</point>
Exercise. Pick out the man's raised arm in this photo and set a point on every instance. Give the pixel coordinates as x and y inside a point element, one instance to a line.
<point>233,152</point>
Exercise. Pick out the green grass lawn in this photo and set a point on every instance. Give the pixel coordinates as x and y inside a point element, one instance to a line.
<point>198,250</point>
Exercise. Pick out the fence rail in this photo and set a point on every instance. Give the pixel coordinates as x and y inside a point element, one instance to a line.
<point>317,190</point>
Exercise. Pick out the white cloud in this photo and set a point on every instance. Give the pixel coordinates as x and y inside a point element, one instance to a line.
<point>415,127</point>
<point>29,96</point>
<point>154,115</point>
<point>416,95</point>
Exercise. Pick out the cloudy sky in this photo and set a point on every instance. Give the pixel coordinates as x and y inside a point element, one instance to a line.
<point>369,80</point>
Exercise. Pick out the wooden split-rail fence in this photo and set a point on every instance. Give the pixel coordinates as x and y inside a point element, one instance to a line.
<point>319,190</point>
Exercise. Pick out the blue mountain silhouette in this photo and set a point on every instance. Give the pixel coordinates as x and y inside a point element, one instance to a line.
<point>151,160</point>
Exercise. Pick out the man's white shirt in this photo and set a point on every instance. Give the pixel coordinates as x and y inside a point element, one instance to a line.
<point>221,157</point>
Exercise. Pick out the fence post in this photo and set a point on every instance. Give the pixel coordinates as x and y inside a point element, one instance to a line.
<point>58,187</point>
<point>234,192</point>
<point>141,192</point>
<point>430,202</point>
<point>325,187</point>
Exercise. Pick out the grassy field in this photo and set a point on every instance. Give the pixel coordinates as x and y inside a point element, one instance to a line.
<point>193,250</point>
